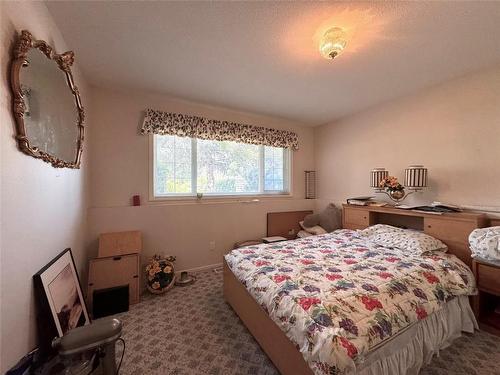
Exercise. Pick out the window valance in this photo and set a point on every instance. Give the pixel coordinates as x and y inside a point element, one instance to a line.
<point>158,122</point>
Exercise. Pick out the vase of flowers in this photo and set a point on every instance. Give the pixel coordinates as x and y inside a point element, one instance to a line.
<point>392,186</point>
<point>160,275</point>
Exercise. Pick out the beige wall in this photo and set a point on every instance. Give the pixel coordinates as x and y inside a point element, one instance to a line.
<point>42,208</point>
<point>453,129</point>
<point>119,169</point>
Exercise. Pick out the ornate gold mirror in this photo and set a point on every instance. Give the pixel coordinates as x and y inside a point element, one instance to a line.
<point>46,103</point>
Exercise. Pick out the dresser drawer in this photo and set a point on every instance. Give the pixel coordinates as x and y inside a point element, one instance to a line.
<point>454,231</point>
<point>355,218</point>
<point>488,278</point>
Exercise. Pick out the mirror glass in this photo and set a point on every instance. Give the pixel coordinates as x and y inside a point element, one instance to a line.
<point>51,114</point>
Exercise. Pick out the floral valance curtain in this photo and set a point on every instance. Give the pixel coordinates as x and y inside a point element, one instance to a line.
<point>158,122</point>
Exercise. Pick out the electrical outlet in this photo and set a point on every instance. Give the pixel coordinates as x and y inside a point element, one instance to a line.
<point>211,245</point>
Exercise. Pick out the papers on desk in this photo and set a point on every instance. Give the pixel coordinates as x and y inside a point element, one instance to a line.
<point>435,208</point>
<point>406,207</point>
<point>365,201</point>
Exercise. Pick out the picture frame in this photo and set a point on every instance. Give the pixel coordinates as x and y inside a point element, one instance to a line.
<point>58,288</point>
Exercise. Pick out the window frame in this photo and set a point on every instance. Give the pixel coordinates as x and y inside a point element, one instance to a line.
<point>287,179</point>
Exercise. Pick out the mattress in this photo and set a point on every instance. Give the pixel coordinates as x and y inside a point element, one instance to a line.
<point>338,297</point>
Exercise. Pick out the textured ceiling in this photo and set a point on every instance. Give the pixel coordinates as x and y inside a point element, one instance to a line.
<point>263,56</point>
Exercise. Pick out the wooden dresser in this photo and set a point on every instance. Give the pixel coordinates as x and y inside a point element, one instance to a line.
<point>453,228</point>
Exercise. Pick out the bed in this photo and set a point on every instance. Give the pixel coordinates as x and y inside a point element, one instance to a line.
<point>337,304</point>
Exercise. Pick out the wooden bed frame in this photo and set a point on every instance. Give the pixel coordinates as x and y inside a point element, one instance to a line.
<point>285,356</point>
<point>270,337</point>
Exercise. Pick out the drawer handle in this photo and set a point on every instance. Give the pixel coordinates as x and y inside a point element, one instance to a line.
<point>364,217</point>
<point>117,258</point>
<point>136,276</point>
<point>429,226</point>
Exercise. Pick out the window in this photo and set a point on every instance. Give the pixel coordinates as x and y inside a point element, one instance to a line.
<point>186,166</point>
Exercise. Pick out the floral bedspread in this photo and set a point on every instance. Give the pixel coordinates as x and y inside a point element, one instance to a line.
<point>337,296</point>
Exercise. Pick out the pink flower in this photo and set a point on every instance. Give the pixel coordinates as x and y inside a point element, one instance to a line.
<point>421,313</point>
<point>392,259</point>
<point>385,275</point>
<point>280,278</point>
<point>360,249</point>
<point>333,276</point>
<point>307,302</point>
<point>431,279</point>
<point>306,261</point>
<point>351,349</point>
<point>260,263</point>
<point>371,303</point>
<point>350,261</point>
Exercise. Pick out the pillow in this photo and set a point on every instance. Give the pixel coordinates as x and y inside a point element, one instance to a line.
<point>328,219</point>
<point>303,234</point>
<point>404,239</point>
<point>313,230</point>
<point>316,230</point>
<point>485,243</point>
<point>311,220</point>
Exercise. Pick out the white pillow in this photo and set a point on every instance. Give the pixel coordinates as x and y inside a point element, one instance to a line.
<point>313,230</point>
<point>485,243</point>
<point>303,234</point>
<point>404,239</point>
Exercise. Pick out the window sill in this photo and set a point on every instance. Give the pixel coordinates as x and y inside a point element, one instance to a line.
<point>211,199</point>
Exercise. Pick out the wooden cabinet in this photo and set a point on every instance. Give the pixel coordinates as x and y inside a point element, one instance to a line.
<point>117,264</point>
<point>488,278</point>
<point>115,271</point>
<point>454,232</point>
<point>488,298</point>
<point>355,218</point>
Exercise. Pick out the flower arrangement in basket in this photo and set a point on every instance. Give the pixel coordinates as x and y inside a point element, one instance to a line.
<point>391,183</point>
<point>393,187</point>
<point>160,275</point>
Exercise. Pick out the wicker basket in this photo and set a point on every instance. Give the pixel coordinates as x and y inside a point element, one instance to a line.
<point>162,290</point>
<point>160,274</point>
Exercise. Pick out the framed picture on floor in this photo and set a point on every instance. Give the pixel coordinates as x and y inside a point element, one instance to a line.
<point>58,286</point>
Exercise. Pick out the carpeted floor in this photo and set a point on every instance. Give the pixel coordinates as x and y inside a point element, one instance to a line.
<point>191,330</point>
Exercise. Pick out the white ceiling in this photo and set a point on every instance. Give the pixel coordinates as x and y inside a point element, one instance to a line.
<point>263,56</point>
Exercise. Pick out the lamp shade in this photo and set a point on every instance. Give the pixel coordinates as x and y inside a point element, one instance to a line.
<point>416,177</point>
<point>377,175</point>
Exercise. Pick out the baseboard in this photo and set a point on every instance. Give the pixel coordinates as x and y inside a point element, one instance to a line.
<point>202,268</point>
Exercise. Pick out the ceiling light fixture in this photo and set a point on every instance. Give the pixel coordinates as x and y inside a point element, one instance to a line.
<point>333,43</point>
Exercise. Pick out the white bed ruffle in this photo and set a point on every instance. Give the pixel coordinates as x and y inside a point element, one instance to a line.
<point>409,351</point>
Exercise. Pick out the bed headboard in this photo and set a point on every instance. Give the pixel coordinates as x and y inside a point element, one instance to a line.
<point>285,224</point>
<point>495,222</point>
<point>451,228</point>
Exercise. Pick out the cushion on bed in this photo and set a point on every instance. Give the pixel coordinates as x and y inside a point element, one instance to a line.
<point>328,219</point>
<point>404,239</point>
<point>303,234</point>
<point>313,230</point>
<point>311,220</point>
